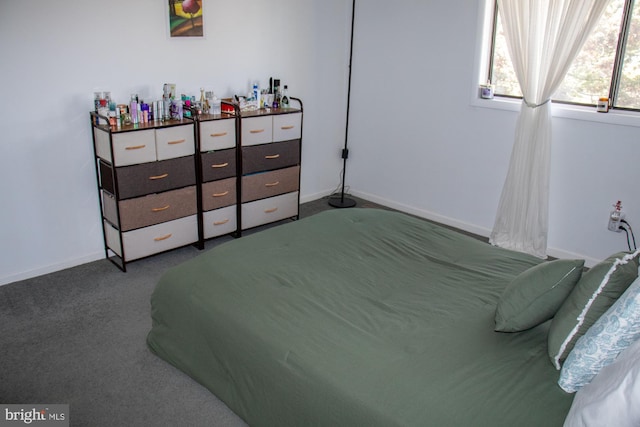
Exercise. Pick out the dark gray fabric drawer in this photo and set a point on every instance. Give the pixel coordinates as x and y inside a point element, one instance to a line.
<point>256,158</point>
<point>218,165</point>
<point>155,177</point>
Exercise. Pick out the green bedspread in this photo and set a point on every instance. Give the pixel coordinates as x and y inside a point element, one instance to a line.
<point>357,317</point>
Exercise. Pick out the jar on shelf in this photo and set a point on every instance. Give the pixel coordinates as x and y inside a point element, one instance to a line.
<point>603,105</point>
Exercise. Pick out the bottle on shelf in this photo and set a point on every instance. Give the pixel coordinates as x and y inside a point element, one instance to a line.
<point>284,101</point>
<point>276,93</point>
<point>204,107</point>
<point>255,93</point>
<point>97,96</point>
<point>133,108</point>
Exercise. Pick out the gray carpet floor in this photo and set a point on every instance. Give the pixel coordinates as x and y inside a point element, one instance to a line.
<point>77,337</point>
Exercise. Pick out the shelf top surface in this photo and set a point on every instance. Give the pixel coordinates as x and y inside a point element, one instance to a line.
<point>268,112</point>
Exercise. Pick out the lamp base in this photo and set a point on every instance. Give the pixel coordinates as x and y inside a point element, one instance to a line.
<point>341,202</point>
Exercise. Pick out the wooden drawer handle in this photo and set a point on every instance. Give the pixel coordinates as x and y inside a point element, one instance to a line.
<point>164,175</point>
<point>220,165</point>
<point>272,184</point>
<point>220,194</point>
<point>135,147</point>
<point>256,131</point>
<point>216,135</point>
<point>179,141</point>
<point>159,239</point>
<point>272,210</point>
<point>287,127</point>
<point>164,208</point>
<point>221,222</point>
<point>272,156</point>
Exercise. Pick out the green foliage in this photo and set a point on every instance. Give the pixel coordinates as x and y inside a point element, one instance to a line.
<point>591,73</point>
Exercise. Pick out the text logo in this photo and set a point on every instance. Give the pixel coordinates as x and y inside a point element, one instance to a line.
<point>40,415</point>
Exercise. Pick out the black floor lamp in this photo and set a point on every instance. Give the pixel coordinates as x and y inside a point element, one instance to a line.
<point>341,201</point>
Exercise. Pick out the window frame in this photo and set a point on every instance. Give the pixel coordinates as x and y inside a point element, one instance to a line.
<point>616,73</point>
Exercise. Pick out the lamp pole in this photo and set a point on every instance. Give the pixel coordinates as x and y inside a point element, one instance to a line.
<point>344,202</point>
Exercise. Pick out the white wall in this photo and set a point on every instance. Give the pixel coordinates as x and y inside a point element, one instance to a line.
<point>56,54</point>
<point>420,142</point>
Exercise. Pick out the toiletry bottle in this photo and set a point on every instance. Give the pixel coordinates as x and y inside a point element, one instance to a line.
<point>103,110</point>
<point>133,109</point>
<point>256,93</point>
<point>145,112</point>
<point>97,96</point>
<point>203,107</point>
<point>284,102</point>
<point>276,93</point>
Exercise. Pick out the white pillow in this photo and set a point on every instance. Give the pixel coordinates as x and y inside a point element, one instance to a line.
<point>614,331</point>
<point>613,397</point>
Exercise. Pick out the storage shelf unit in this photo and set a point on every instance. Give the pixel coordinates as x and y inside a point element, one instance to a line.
<point>218,173</point>
<point>164,185</point>
<point>270,158</point>
<point>146,177</point>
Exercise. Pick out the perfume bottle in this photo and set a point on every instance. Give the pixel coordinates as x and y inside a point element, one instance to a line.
<point>204,107</point>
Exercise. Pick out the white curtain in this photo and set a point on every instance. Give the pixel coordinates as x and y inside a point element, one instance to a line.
<point>543,38</point>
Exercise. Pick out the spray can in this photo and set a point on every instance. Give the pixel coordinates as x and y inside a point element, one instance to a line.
<point>133,109</point>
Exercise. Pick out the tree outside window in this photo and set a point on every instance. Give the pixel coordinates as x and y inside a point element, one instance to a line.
<point>608,65</point>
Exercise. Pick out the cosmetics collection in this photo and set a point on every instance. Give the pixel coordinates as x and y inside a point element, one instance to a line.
<point>273,97</point>
<point>171,107</point>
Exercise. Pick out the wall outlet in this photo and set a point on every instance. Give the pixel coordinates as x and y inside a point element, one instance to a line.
<point>614,220</point>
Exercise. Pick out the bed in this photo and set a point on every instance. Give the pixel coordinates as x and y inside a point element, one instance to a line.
<point>357,317</point>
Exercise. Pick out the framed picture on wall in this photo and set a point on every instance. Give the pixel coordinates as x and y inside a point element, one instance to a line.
<point>185,18</point>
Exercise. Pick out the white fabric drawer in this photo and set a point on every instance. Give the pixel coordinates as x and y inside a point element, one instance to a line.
<point>269,210</point>
<point>150,240</point>
<point>287,126</point>
<point>219,222</point>
<point>103,148</point>
<point>130,148</point>
<point>113,238</point>
<point>217,135</point>
<point>257,130</point>
<point>175,141</point>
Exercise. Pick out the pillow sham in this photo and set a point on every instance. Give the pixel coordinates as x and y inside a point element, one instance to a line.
<point>613,397</point>
<point>535,295</point>
<point>594,293</point>
<point>616,330</point>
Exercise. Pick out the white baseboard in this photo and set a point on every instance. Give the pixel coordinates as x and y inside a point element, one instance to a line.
<point>452,222</point>
<point>559,253</point>
<point>311,197</point>
<point>471,228</point>
<point>51,268</point>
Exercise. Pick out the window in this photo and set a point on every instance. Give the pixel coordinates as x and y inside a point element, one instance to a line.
<point>608,65</point>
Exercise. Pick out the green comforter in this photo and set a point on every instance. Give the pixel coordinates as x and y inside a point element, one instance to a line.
<point>357,317</point>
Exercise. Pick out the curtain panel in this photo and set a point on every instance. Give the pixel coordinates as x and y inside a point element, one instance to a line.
<point>543,38</point>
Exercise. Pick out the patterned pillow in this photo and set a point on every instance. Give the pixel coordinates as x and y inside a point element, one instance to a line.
<point>616,330</point>
<point>595,292</point>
